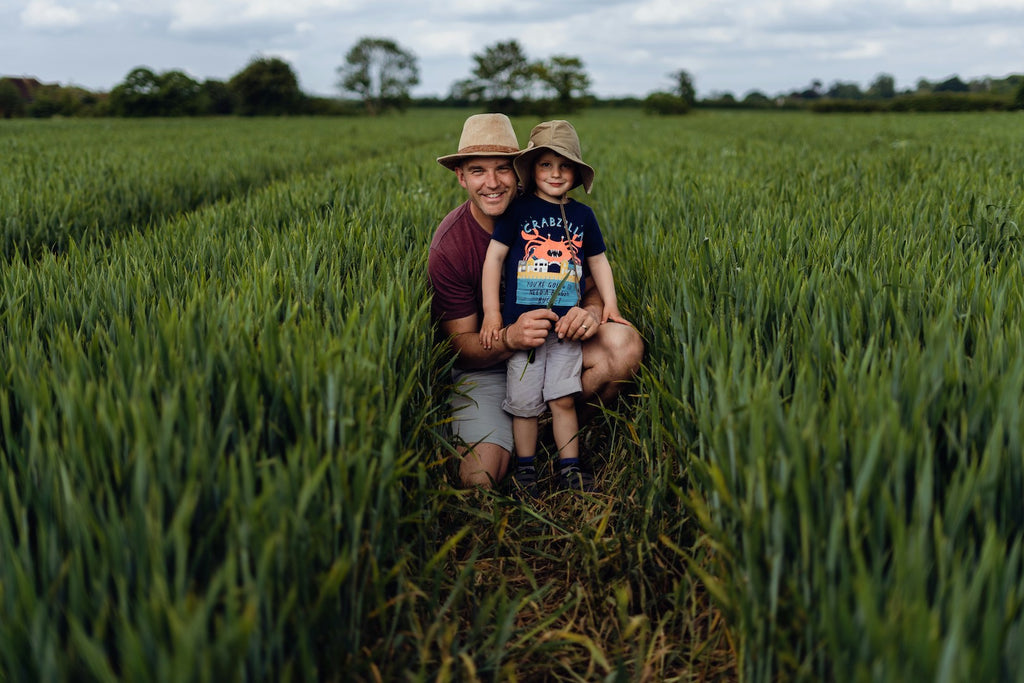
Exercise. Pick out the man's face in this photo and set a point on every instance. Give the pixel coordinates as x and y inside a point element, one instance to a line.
<point>491,183</point>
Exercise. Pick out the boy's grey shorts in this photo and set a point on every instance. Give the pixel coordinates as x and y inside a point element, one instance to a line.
<point>554,373</point>
<point>477,416</point>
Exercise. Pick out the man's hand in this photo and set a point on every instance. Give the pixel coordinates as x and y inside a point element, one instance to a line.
<point>530,330</point>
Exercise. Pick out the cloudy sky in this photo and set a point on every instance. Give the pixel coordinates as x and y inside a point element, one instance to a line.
<point>628,46</point>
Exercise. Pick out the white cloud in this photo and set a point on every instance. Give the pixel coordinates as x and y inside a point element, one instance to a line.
<point>186,15</point>
<point>661,12</point>
<point>1003,39</point>
<point>861,49</point>
<point>431,43</point>
<point>45,14</point>
<point>943,6</point>
<point>471,7</point>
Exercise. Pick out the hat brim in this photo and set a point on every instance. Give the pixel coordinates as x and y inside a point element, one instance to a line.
<point>453,161</point>
<point>524,167</point>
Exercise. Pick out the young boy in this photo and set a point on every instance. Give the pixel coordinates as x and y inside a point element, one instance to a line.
<point>540,243</point>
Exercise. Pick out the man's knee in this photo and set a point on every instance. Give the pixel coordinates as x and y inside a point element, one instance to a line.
<point>613,357</point>
<point>483,465</point>
<point>626,351</point>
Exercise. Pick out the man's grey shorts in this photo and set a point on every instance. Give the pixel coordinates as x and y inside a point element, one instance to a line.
<point>477,416</point>
<point>554,373</point>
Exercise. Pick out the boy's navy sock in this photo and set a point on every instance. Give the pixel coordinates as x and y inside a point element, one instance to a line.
<point>571,476</point>
<point>566,463</point>
<point>524,479</point>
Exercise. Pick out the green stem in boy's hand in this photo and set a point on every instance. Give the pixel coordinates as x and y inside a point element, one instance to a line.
<point>551,304</point>
<point>568,272</point>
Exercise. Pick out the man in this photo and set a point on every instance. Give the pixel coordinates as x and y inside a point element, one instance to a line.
<point>611,352</point>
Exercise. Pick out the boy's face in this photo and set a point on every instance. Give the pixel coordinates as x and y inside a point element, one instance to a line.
<point>553,175</point>
<point>490,183</point>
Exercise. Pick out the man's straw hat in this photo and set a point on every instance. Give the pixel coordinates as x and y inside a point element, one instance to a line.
<point>484,135</point>
<point>559,137</point>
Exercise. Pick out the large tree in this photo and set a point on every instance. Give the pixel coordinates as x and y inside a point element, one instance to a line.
<point>756,98</point>
<point>380,72</point>
<point>137,95</point>
<point>11,103</point>
<point>146,93</point>
<point>267,86</point>
<point>685,88</point>
<point>883,87</point>
<point>952,84</point>
<point>567,79</point>
<point>178,94</point>
<point>216,97</point>
<point>845,91</point>
<point>504,75</point>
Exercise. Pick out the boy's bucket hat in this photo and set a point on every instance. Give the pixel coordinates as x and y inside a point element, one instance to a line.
<point>483,135</point>
<point>559,137</point>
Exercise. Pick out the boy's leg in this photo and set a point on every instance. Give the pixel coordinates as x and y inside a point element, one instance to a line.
<point>524,479</point>
<point>524,432</point>
<point>571,476</point>
<point>524,401</point>
<point>565,426</point>
<point>561,387</point>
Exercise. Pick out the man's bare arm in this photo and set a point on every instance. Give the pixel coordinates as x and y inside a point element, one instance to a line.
<point>526,333</point>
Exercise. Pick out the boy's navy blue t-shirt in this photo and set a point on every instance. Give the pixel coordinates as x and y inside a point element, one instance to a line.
<point>543,254</point>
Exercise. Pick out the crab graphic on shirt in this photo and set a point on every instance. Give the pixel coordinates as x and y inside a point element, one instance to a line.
<point>546,261</point>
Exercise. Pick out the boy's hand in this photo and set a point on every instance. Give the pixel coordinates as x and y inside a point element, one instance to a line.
<point>490,330</point>
<point>611,313</point>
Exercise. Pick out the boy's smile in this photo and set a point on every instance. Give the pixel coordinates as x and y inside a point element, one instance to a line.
<point>554,176</point>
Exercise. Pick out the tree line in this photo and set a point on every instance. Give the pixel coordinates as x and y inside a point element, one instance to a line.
<point>378,76</point>
<point>267,86</point>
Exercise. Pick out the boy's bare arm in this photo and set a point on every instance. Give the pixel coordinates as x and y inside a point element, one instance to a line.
<point>591,300</point>
<point>604,283</point>
<point>490,286</point>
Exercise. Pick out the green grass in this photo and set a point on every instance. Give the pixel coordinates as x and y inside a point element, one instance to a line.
<point>836,352</point>
<point>222,420</point>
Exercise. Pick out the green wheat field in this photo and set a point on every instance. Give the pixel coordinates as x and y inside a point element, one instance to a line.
<point>222,421</point>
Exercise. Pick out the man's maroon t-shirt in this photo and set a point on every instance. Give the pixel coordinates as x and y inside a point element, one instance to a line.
<point>455,265</point>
